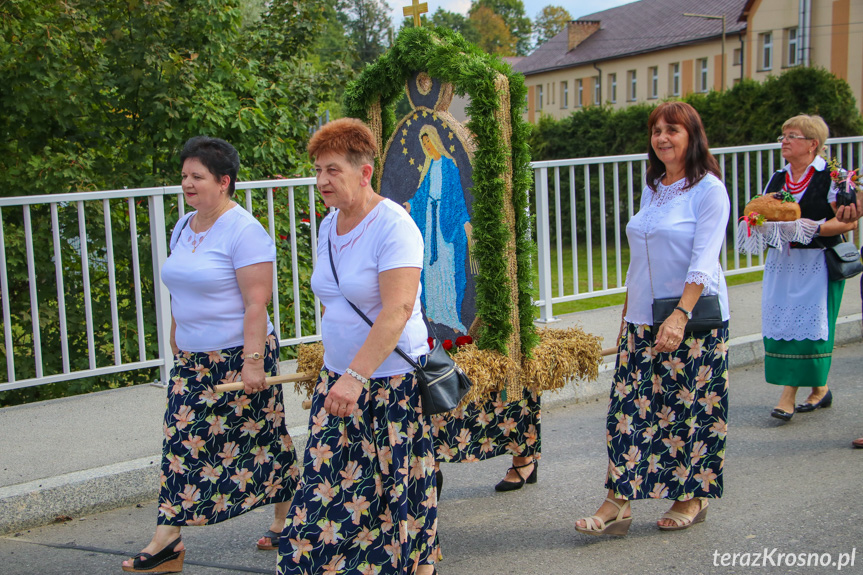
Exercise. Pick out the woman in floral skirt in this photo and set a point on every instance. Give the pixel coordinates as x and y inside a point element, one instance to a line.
<point>668,410</point>
<point>366,501</point>
<point>224,453</point>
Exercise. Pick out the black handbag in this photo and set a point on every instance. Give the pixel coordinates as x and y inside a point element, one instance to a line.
<point>706,315</point>
<point>441,382</point>
<point>843,261</point>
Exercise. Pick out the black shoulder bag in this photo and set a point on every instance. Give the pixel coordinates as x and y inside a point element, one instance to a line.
<point>843,261</point>
<point>442,383</point>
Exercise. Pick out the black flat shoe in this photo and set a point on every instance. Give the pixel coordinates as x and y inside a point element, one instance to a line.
<point>165,561</point>
<point>781,414</point>
<point>438,476</point>
<point>514,485</point>
<point>826,401</point>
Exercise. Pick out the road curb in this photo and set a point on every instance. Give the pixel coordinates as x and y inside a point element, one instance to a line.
<point>40,502</point>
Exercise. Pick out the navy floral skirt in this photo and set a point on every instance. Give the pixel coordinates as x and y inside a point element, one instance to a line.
<point>366,503</point>
<point>481,431</point>
<point>223,453</point>
<point>668,416</point>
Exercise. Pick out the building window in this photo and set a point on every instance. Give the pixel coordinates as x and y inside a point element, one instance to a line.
<point>702,75</point>
<point>737,57</point>
<point>654,82</point>
<point>632,86</point>
<point>539,97</point>
<point>674,86</point>
<point>564,95</point>
<point>766,51</point>
<point>793,57</point>
<point>597,90</point>
<point>580,89</point>
<point>612,88</point>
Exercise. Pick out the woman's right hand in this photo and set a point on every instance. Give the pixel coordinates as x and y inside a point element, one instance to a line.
<point>671,332</point>
<point>343,395</point>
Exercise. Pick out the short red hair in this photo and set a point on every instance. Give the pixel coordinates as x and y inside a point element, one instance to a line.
<point>348,137</point>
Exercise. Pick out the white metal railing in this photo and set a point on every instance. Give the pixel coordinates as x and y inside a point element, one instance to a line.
<point>567,193</point>
<point>93,294</point>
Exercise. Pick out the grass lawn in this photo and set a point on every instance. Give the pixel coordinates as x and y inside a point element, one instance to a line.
<point>604,300</point>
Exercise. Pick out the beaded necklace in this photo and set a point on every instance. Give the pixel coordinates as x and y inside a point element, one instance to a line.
<point>797,187</point>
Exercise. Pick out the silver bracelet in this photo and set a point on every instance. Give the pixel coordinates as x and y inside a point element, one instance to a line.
<point>358,377</point>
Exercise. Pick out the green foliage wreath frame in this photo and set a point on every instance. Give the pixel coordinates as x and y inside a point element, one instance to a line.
<point>445,55</point>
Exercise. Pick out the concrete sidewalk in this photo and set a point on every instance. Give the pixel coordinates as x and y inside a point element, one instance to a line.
<point>85,454</point>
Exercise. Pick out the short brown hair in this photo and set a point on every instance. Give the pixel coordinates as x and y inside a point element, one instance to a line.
<point>348,137</point>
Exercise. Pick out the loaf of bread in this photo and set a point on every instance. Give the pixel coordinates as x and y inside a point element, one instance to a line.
<point>778,207</point>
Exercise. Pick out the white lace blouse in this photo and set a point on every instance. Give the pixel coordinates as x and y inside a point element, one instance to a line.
<point>682,232</point>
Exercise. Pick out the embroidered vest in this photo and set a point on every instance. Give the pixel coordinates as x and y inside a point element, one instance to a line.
<point>813,205</point>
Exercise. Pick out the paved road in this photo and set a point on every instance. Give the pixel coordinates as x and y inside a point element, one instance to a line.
<point>794,487</point>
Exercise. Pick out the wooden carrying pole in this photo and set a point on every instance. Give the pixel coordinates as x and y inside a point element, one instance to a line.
<point>609,351</point>
<point>274,380</point>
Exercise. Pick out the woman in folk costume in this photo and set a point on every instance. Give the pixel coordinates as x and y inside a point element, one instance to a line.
<point>496,427</point>
<point>799,304</point>
<point>668,410</point>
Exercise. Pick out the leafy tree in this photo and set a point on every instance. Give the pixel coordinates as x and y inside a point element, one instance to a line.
<point>449,20</point>
<point>457,23</point>
<point>549,22</point>
<point>513,14</point>
<point>494,36</point>
<point>369,27</point>
<point>101,94</point>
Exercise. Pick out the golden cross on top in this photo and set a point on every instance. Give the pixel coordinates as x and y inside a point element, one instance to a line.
<point>415,10</point>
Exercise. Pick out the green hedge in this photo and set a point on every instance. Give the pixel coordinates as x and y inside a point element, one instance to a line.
<point>749,113</point>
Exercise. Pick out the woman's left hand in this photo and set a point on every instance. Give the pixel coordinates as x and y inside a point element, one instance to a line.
<point>670,334</point>
<point>253,376</point>
<point>343,395</point>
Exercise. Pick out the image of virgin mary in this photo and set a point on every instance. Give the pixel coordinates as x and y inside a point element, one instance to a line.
<point>439,210</point>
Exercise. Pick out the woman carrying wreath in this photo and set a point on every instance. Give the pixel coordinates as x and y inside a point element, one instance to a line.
<point>668,411</point>
<point>366,502</point>
<point>224,453</point>
<point>496,427</point>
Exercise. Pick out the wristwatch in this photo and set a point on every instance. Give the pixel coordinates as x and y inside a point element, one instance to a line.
<point>688,314</point>
<point>255,355</point>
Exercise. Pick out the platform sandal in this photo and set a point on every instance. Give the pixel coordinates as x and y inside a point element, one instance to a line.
<point>619,526</point>
<point>682,521</point>
<point>274,540</point>
<point>165,561</point>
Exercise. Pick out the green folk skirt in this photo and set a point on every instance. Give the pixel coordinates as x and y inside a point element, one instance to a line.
<point>804,362</point>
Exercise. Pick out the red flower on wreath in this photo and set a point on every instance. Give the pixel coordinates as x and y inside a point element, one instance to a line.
<point>463,340</point>
<point>431,342</point>
<point>447,344</point>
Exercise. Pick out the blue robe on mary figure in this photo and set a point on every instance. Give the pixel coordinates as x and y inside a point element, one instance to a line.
<point>450,215</point>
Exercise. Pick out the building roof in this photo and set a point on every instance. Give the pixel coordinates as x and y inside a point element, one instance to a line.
<point>636,28</point>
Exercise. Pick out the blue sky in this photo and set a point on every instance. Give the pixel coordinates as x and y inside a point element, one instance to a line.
<point>577,8</point>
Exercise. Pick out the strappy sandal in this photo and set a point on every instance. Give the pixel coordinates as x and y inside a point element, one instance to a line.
<point>505,485</point>
<point>619,526</point>
<point>165,561</point>
<point>274,540</point>
<point>682,521</point>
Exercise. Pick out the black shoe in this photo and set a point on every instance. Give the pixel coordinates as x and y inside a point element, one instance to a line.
<point>513,485</point>
<point>781,414</point>
<point>826,401</point>
<point>165,561</point>
<point>438,476</point>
